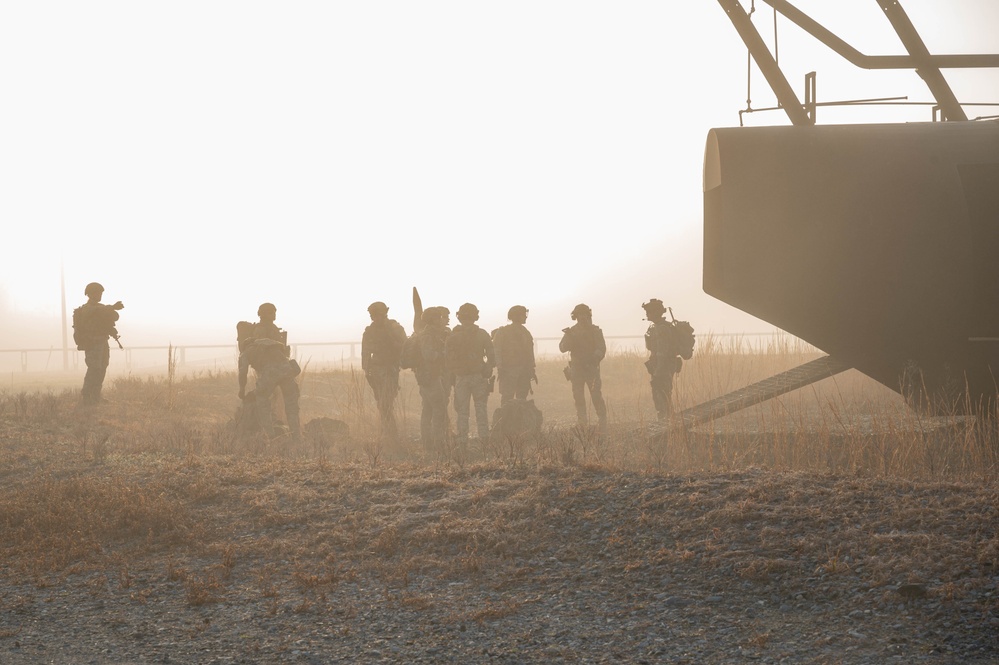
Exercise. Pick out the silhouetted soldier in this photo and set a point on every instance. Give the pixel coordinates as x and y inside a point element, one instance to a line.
<point>274,369</point>
<point>584,342</point>
<point>514,347</point>
<point>267,329</point>
<point>381,352</point>
<point>93,326</point>
<point>470,359</point>
<point>664,359</point>
<point>424,354</point>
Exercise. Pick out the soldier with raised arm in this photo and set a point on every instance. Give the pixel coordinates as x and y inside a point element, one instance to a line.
<point>93,326</point>
<point>584,342</point>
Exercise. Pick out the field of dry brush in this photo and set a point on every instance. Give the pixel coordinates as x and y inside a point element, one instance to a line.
<point>832,525</point>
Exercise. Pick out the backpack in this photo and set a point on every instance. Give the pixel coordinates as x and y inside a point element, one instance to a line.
<point>84,330</point>
<point>514,345</point>
<point>462,353</point>
<point>683,337</point>
<point>384,341</point>
<point>394,341</point>
<point>412,354</point>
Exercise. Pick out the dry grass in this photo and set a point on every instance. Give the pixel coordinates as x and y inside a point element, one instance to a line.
<point>159,474</point>
<point>846,424</point>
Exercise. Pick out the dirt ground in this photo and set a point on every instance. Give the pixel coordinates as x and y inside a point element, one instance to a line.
<point>257,561</point>
<point>143,532</point>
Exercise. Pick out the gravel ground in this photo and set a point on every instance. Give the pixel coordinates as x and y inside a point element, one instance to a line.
<point>146,559</point>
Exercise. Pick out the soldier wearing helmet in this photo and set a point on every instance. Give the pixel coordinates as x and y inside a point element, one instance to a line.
<point>93,326</point>
<point>381,352</point>
<point>470,359</point>
<point>265,328</point>
<point>423,353</point>
<point>514,345</point>
<point>585,344</point>
<point>274,372</point>
<point>664,361</point>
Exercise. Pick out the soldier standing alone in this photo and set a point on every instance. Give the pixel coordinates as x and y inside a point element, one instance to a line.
<point>93,326</point>
<point>514,347</point>
<point>381,353</point>
<point>470,359</point>
<point>584,342</point>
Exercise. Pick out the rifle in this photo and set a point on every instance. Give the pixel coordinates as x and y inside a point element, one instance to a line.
<point>118,306</point>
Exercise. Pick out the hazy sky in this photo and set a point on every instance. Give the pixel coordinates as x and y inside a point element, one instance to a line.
<point>199,158</point>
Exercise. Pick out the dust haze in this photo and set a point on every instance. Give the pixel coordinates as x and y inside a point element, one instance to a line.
<point>334,155</point>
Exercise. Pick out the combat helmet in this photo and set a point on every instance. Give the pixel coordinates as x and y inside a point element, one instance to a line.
<point>516,310</point>
<point>468,311</point>
<point>581,311</point>
<point>654,307</point>
<point>379,307</point>
<point>94,288</point>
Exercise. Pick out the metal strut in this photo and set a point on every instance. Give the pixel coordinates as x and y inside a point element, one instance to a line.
<point>765,61</point>
<point>926,65</point>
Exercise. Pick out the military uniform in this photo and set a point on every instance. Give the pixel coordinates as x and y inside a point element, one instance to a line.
<point>94,325</point>
<point>664,361</point>
<point>585,344</point>
<point>435,385</point>
<point>381,352</point>
<point>270,330</point>
<point>515,368</point>
<point>274,370</point>
<point>470,359</point>
<point>265,328</point>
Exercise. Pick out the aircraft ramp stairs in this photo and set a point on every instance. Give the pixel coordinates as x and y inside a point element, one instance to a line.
<point>761,391</point>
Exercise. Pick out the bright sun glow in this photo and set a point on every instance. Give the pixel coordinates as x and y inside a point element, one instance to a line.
<point>200,158</point>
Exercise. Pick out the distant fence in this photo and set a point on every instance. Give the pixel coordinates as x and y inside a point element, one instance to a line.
<point>224,356</point>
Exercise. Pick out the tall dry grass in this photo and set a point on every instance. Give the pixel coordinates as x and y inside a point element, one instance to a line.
<point>158,483</point>
<point>847,424</point>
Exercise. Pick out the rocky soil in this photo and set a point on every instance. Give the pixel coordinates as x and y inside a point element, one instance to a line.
<point>151,558</point>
